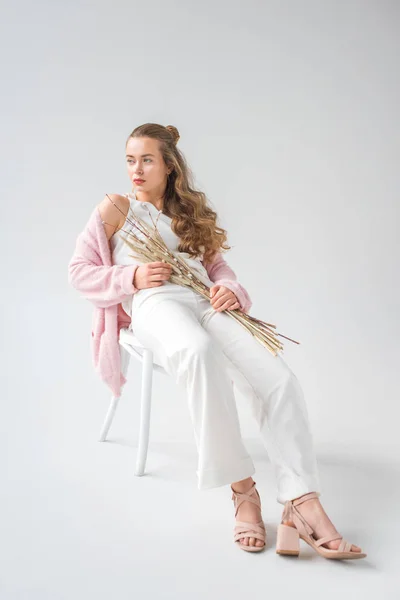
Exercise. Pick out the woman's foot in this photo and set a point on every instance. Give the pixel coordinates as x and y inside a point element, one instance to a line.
<point>316,516</point>
<point>247,511</point>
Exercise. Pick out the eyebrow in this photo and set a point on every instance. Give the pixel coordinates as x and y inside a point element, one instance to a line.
<point>131,155</point>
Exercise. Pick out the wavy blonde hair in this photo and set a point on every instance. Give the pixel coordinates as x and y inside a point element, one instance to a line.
<point>193,221</point>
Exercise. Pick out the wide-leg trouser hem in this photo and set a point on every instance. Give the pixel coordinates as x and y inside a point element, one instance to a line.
<point>292,488</point>
<point>211,478</point>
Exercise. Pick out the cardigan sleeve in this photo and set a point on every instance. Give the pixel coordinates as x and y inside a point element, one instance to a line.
<point>221,273</point>
<point>100,284</point>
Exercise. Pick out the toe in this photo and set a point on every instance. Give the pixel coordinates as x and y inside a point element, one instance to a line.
<point>245,541</point>
<point>252,541</point>
<point>259,543</point>
<point>334,545</point>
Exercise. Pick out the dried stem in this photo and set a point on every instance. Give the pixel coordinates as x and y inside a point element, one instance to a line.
<point>153,248</point>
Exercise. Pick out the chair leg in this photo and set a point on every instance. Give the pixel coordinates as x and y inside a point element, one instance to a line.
<point>145,410</point>
<point>108,420</point>
<point>125,358</point>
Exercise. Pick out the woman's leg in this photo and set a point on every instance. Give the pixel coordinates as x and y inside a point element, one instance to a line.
<point>278,404</point>
<point>281,413</point>
<point>167,323</point>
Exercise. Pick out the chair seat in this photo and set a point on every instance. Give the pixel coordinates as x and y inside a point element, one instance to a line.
<point>129,341</point>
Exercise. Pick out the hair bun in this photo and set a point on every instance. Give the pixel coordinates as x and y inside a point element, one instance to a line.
<point>174,132</point>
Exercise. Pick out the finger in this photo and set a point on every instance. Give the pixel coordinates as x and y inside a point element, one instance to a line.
<point>158,278</point>
<point>221,300</point>
<point>234,305</point>
<point>230,305</point>
<point>160,265</point>
<point>161,270</point>
<point>214,295</point>
<point>220,294</point>
<point>223,306</point>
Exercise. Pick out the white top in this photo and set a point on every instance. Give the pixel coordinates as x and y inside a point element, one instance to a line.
<point>120,251</point>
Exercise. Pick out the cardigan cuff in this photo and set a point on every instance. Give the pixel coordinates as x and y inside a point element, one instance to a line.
<point>128,274</point>
<point>239,291</point>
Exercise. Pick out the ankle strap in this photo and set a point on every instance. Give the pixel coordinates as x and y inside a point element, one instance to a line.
<point>304,498</point>
<point>246,492</point>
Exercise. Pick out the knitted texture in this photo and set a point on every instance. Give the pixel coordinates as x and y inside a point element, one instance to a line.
<point>91,272</point>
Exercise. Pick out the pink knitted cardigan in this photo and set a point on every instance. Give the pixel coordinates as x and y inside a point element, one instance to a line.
<point>91,272</point>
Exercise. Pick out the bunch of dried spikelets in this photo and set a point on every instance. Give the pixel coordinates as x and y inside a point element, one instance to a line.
<point>151,247</point>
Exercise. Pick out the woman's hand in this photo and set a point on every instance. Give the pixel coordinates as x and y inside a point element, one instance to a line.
<point>151,274</point>
<point>222,298</point>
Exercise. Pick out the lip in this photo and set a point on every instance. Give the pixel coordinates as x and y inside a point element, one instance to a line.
<point>139,180</point>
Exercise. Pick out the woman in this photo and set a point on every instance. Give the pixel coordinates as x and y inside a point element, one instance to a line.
<point>197,343</point>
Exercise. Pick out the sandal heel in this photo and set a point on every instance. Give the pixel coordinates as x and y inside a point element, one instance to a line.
<point>287,541</point>
<point>288,538</point>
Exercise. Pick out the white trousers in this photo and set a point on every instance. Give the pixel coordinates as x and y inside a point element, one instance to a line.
<point>198,347</point>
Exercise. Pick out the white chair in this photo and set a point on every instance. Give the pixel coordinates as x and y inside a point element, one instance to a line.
<point>130,346</point>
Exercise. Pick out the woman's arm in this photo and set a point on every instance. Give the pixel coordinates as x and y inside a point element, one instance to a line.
<point>221,273</point>
<point>103,285</point>
<point>100,284</point>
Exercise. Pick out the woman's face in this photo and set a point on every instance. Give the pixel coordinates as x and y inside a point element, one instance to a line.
<point>144,161</point>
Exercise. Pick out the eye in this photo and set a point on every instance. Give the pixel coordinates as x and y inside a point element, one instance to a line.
<point>129,160</point>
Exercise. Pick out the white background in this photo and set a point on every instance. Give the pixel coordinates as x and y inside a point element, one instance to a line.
<point>288,115</point>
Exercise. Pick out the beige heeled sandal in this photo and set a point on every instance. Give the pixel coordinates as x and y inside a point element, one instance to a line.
<point>288,536</point>
<point>242,528</point>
